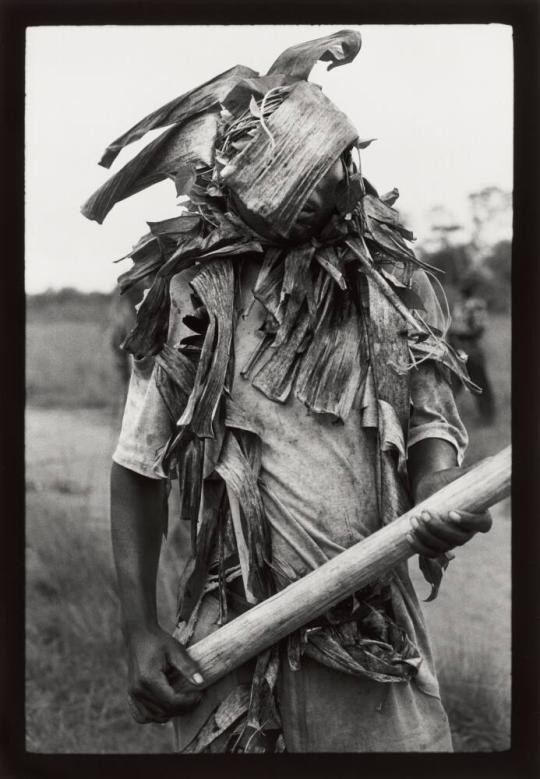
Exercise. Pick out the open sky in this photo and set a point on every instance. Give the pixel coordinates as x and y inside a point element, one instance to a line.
<point>438,99</point>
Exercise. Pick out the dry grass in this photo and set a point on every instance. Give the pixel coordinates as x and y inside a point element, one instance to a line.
<point>69,365</point>
<point>477,703</point>
<point>470,622</point>
<point>74,656</point>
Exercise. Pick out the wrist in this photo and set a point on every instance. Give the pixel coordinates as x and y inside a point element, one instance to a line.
<point>138,604</point>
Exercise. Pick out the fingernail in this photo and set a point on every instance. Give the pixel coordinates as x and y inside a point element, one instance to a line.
<point>426,515</point>
<point>197,678</point>
<point>454,515</point>
<point>414,521</point>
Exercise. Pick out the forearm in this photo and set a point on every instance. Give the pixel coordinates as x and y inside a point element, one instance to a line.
<point>136,528</point>
<point>428,456</point>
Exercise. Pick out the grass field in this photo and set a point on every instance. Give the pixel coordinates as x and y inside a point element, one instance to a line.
<point>74,663</point>
<point>69,365</point>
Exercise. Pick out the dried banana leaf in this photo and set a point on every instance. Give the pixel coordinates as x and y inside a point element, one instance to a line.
<point>180,371</point>
<point>214,285</point>
<point>236,417</point>
<point>412,300</point>
<point>141,250</point>
<point>176,226</point>
<point>296,287</point>
<point>255,357</point>
<point>177,111</point>
<point>229,711</point>
<point>198,321</point>
<point>397,274</point>
<point>327,651</point>
<point>238,99</point>
<point>213,446</point>
<point>389,239</point>
<point>203,532</point>
<point>433,569</point>
<point>150,331</point>
<point>390,197</point>
<point>262,713</point>
<point>333,263</point>
<point>297,61</point>
<point>142,269</point>
<point>365,657</point>
<point>388,348</point>
<point>435,348</point>
<point>391,436</point>
<point>190,476</point>
<point>236,471</point>
<point>185,179</point>
<point>368,404</point>
<point>276,377</point>
<point>270,260</point>
<point>218,243</point>
<point>267,289</point>
<point>192,142</point>
<point>331,370</point>
<point>348,193</point>
<point>309,133</point>
<point>376,208</point>
<point>153,249</point>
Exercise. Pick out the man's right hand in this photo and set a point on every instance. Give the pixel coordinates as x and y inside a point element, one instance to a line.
<point>156,663</point>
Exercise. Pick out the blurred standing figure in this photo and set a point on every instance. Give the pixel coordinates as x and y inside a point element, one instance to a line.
<point>469,322</point>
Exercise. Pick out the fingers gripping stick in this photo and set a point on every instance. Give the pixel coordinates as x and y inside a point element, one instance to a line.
<point>434,533</point>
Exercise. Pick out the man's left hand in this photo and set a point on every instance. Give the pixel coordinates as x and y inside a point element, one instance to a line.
<point>434,533</point>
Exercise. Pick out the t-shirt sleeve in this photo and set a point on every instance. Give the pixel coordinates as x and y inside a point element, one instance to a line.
<point>147,424</point>
<point>434,410</point>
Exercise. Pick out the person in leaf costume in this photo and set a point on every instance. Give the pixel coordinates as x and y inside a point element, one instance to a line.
<point>291,372</point>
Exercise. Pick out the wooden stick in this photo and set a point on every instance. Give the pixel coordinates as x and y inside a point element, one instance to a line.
<point>265,624</point>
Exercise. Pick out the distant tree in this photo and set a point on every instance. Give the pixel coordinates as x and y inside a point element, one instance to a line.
<point>498,264</point>
<point>491,215</point>
<point>480,257</point>
<point>444,230</point>
<point>67,294</point>
<point>499,261</point>
<point>453,261</point>
<point>69,304</point>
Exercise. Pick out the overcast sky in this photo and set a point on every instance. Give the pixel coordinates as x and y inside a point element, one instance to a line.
<point>438,99</point>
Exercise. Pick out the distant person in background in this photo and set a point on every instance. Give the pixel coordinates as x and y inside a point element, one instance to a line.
<point>469,322</point>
